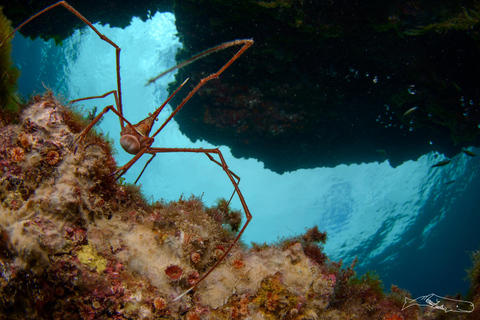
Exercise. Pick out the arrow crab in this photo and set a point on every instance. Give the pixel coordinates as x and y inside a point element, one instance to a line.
<point>136,139</point>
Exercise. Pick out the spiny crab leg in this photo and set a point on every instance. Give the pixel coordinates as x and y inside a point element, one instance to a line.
<point>88,23</point>
<point>245,42</point>
<point>232,177</point>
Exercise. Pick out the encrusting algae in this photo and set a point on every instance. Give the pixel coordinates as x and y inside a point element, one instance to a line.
<point>76,244</point>
<point>89,256</point>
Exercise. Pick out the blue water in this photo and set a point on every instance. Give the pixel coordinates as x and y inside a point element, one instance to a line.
<point>408,223</point>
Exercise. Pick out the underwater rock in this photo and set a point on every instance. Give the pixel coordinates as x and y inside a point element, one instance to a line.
<point>60,24</point>
<point>75,243</point>
<point>325,84</point>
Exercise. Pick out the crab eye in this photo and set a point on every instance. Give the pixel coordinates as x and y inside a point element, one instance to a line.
<point>130,144</point>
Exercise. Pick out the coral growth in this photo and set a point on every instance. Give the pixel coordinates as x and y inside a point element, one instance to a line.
<point>75,244</point>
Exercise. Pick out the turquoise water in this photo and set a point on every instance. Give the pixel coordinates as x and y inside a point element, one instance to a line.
<point>413,223</point>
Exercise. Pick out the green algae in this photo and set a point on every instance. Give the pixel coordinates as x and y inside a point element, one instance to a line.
<point>8,73</point>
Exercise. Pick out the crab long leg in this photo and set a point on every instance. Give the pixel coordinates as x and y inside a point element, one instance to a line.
<point>88,23</point>
<point>145,167</point>
<point>231,176</point>
<point>246,43</point>
<point>231,172</point>
<point>207,154</point>
<point>82,134</point>
<point>114,92</point>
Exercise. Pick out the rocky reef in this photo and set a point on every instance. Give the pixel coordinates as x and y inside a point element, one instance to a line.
<point>76,244</point>
<point>326,83</point>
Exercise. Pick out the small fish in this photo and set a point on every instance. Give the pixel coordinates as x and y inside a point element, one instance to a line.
<point>441,303</point>
<point>381,152</point>
<point>441,163</point>
<point>409,111</point>
<point>469,153</point>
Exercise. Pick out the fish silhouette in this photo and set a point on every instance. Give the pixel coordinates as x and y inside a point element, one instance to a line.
<point>441,163</point>
<point>469,153</point>
<point>437,302</point>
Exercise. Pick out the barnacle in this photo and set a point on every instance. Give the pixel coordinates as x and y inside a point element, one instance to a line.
<point>195,257</point>
<point>192,316</point>
<point>193,278</point>
<point>24,139</point>
<point>86,312</point>
<point>160,303</point>
<point>17,154</point>
<point>52,157</point>
<point>218,252</point>
<point>173,272</point>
